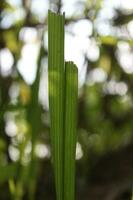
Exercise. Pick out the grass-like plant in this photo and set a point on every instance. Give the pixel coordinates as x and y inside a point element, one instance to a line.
<point>63,90</point>
<point>56,94</point>
<point>71,93</point>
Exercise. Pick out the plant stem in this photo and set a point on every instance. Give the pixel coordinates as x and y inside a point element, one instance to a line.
<point>56,94</point>
<point>71,88</point>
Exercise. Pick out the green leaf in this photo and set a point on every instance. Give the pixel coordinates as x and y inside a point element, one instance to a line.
<point>71,88</point>
<point>63,93</point>
<point>56,94</point>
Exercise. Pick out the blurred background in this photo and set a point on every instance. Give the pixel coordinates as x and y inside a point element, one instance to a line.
<point>99,39</point>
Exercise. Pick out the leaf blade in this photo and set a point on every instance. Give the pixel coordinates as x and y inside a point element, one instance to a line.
<point>71,88</point>
<point>56,94</point>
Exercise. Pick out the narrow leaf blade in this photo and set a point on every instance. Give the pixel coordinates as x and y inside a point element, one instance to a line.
<point>56,94</point>
<point>71,89</point>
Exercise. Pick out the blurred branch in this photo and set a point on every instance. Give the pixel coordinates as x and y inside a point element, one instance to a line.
<point>59,5</point>
<point>122,18</point>
<point>27,5</point>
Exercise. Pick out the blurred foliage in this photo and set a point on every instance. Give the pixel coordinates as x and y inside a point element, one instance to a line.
<point>105,111</point>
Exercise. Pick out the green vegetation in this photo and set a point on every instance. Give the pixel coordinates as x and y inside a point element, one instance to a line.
<point>63,90</point>
<point>56,94</point>
<point>70,130</point>
<point>33,136</point>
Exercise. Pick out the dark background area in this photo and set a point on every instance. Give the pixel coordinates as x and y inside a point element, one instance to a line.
<point>99,39</point>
